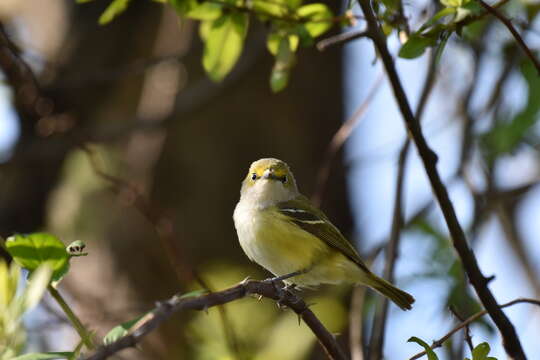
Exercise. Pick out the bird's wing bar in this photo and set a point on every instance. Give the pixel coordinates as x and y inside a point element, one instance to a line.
<point>300,212</point>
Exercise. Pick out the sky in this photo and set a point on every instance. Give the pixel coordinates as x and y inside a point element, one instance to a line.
<point>8,123</point>
<point>372,152</point>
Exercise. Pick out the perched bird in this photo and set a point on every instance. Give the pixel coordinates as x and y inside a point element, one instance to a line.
<point>282,231</point>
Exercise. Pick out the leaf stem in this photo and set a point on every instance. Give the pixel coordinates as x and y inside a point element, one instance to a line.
<point>75,321</point>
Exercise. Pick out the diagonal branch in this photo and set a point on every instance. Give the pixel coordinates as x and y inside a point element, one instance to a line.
<point>339,139</point>
<point>514,32</point>
<point>166,309</point>
<point>511,341</point>
<point>471,319</point>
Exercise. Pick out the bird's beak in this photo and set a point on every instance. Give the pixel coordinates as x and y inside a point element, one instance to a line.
<point>269,175</point>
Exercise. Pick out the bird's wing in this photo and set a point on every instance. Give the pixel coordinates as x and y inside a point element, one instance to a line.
<point>303,214</point>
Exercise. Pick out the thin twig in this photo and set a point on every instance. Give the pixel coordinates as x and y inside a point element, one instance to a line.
<point>499,15</point>
<point>471,319</point>
<point>466,331</point>
<point>511,341</point>
<point>166,234</point>
<point>339,138</point>
<point>379,323</point>
<point>85,335</point>
<point>268,289</point>
<point>341,39</point>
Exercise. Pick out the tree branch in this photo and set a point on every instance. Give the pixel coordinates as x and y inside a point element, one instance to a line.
<point>429,159</point>
<point>473,318</point>
<point>514,32</point>
<point>339,139</point>
<point>164,310</point>
<point>379,323</point>
<point>341,39</point>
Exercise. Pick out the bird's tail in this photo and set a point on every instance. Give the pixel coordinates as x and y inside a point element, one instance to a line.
<point>401,298</point>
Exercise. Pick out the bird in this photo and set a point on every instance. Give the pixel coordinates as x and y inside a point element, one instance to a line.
<point>281,230</point>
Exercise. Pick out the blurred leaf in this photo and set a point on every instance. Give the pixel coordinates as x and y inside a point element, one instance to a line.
<point>204,11</point>
<point>284,62</point>
<point>430,354</point>
<point>481,351</point>
<point>318,18</point>
<point>31,251</point>
<point>223,44</point>
<point>505,136</point>
<point>9,281</point>
<point>415,46</point>
<point>391,5</point>
<point>121,330</point>
<point>274,39</point>
<point>438,16</point>
<point>113,10</point>
<point>273,8</point>
<point>37,284</point>
<point>45,356</point>
<point>182,7</point>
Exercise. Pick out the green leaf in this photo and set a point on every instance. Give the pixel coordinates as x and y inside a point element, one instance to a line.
<point>113,10</point>
<point>275,8</point>
<point>204,11</point>
<point>45,356</point>
<point>430,353</point>
<point>318,18</point>
<point>506,136</point>
<point>274,39</point>
<point>183,7</point>
<point>9,281</point>
<point>438,16</point>
<point>284,62</point>
<point>37,284</point>
<point>223,44</point>
<point>481,352</point>
<point>121,330</point>
<point>31,251</point>
<point>415,46</point>
<point>452,3</point>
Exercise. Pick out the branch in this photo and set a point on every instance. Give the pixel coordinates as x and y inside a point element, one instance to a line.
<point>341,39</point>
<point>429,159</point>
<point>473,318</point>
<point>339,139</point>
<point>164,310</point>
<point>514,32</point>
<point>167,236</point>
<point>379,323</point>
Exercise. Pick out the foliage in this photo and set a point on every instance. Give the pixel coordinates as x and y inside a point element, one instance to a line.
<point>13,304</point>
<point>481,352</point>
<point>47,260</point>
<point>224,25</point>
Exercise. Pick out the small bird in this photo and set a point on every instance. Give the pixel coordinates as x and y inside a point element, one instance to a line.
<point>281,230</point>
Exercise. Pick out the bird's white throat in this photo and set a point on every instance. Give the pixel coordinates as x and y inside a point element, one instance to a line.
<point>265,193</point>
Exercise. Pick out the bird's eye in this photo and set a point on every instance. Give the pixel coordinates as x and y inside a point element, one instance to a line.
<point>254,176</point>
<point>284,179</point>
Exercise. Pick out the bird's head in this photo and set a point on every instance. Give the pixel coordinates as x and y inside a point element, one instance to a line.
<point>269,181</point>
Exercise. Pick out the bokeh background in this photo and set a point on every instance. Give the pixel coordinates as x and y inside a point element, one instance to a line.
<point>132,149</point>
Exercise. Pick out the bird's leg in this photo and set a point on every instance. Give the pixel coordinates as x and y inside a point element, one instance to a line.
<point>282,291</point>
<point>288,276</point>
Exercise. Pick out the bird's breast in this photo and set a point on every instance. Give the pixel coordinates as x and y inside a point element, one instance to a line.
<point>269,239</point>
